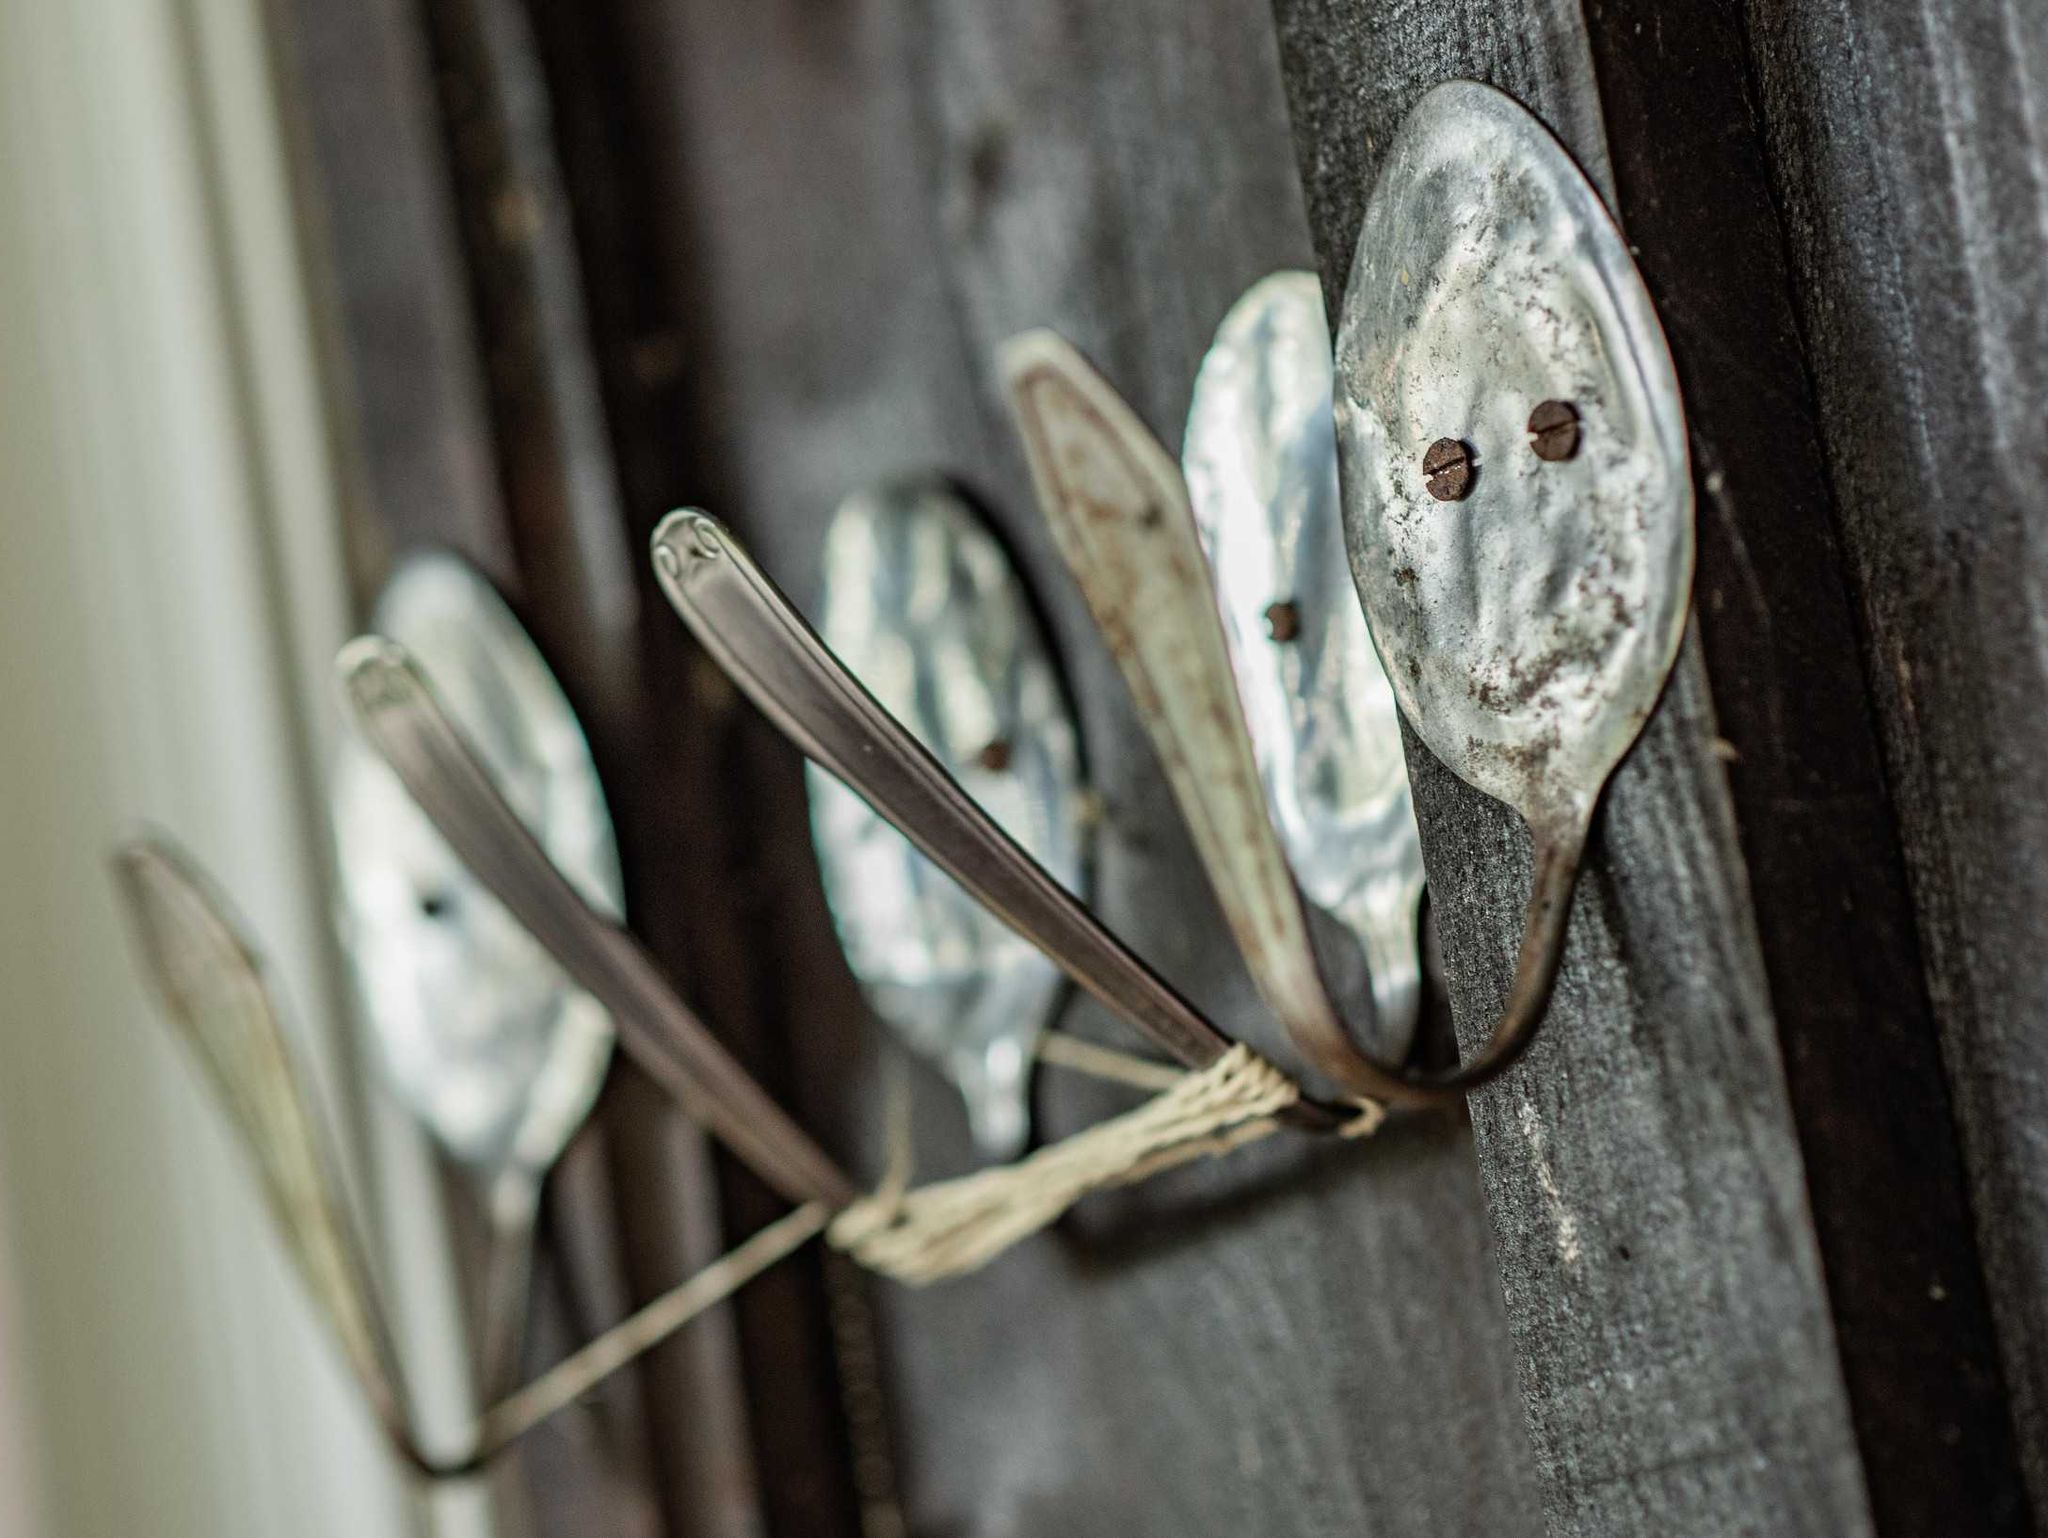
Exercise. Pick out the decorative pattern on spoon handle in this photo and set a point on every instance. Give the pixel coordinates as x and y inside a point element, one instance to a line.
<point>757,636</point>
<point>395,709</point>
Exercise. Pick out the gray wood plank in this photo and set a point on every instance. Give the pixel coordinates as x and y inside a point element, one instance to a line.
<point>1642,1168</point>
<point>1909,159</point>
<point>861,203</point>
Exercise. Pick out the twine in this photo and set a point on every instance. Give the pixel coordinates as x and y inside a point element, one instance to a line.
<point>924,1234</point>
<point>952,1227</point>
<point>574,1376</point>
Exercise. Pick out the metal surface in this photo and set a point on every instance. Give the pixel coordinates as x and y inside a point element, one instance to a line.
<point>1260,459</point>
<point>1528,629</point>
<point>495,1051</point>
<point>1119,513</point>
<point>755,634</point>
<point>210,981</point>
<point>478,1032</point>
<point>923,606</point>
<point>396,711</point>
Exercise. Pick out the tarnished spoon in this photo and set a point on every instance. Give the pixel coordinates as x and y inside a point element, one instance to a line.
<point>1517,495</point>
<point>210,982</point>
<point>396,711</point>
<point>1260,458</point>
<point>921,602</point>
<point>1119,513</point>
<point>756,635</point>
<point>496,1053</point>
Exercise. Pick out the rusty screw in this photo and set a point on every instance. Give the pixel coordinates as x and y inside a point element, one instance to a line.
<point>1554,430</point>
<point>1283,621</point>
<point>1447,470</point>
<point>995,758</point>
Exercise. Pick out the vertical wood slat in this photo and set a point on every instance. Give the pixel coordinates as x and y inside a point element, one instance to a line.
<point>1908,157</point>
<point>810,1474</point>
<point>1827,873</point>
<point>585,578</point>
<point>1677,1335</point>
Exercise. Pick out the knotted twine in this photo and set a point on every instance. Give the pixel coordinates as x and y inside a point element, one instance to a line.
<point>952,1227</point>
<point>928,1233</point>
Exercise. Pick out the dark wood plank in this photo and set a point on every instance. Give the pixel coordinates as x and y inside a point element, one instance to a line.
<point>1646,1183</point>
<point>382,237</point>
<point>812,1471</point>
<point>857,205</point>
<point>458,350</point>
<point>1909,162</point>
<point>1826,873</point>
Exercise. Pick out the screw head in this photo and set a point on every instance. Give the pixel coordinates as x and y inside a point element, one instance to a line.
<point>1283,620</point>
<point>1447,470</point>
<point>1554,430</point>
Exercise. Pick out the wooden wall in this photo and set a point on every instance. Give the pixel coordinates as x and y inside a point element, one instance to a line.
<point>1710,1260</point>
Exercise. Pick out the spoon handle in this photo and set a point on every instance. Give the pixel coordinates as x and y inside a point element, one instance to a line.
<point>756,635</point>
<point>397,713</point>
<point>1120,515</point>
<point>211,982</point>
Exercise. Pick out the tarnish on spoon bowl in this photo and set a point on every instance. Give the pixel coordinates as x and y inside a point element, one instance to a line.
<point>922,604</point>
<point>1527,626</point>
<point>479,1032</point>
<point>1260,458</point>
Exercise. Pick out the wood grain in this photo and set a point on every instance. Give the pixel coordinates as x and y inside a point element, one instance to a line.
<point>1726,1201</point>
<point>1908,158</point>
<point>1643,1167</point>
<point>859,203</point>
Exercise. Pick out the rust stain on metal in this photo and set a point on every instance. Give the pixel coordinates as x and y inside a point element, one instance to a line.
<point>1447,470</point>
<point>1283,621</point>
<point>1554,431</point>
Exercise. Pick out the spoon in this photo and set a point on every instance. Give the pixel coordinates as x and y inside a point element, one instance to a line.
<point>922,603</point>
<point>396,711</point>
<point>1260,459</point>
<point>480,1036</point>
<point>756,635</point>
<point>1119,514</point>
<point>211,984</point>
<point>1529,613</point>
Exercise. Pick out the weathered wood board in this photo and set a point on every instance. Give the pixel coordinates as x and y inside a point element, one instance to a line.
<point>859,205</point>
<point>1742,1044</point>
<point>1714,1268</point>
<point>1909,161</point>
<point>414,129</point>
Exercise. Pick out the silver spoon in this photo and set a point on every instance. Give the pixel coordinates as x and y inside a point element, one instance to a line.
<point>921,602</point>
<point>1260,458</point>
<point>210,982</point>
<point>1119,513</point>
<point>479,1034</point>
<point>397,713</point>
<point>756,635</point>
<point>1530,613</point>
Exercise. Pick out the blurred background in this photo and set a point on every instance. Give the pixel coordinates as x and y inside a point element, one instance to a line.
<point>170,597</point>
